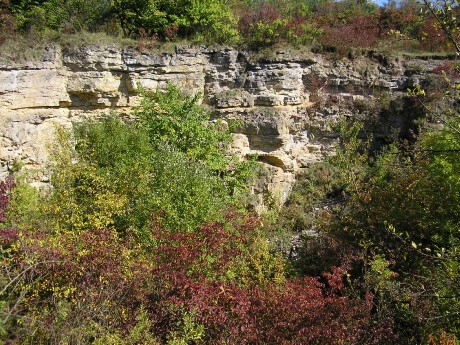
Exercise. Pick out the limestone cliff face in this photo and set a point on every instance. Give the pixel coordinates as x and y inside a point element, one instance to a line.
<point>281,108</point>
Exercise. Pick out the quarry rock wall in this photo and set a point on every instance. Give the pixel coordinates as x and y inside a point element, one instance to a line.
<point>281,106</point>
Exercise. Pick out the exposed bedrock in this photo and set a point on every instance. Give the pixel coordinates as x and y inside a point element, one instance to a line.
<point>281,108</point>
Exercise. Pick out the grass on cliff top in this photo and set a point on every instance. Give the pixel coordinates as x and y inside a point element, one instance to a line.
<point>31,47</point>
<point>18,49</point>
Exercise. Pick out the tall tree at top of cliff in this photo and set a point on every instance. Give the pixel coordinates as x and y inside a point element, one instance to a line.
<point>205,20</point>
<point>68,16</point>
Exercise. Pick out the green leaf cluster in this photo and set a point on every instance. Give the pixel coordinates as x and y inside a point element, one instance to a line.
<point>201,20</point>
<point>69,16</point>
<point>400,210</point>
<point>175,120</point>
<point>170,162</point>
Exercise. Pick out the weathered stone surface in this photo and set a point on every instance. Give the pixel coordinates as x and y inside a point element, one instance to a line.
<point>273,186</point>
<point>97,88</point>
<point>26,136</point>
<point>269,100</point>
<point>234,99</point>
<point>32,88</point>
<point>282,108</point>
<point>94,58</point>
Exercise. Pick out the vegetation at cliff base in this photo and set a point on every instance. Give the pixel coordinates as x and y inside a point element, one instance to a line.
<point>392,220</point>
<point>146,235</point>
<point>145,238</point>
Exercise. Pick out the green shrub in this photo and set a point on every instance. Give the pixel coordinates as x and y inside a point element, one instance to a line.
<point>396,223</point>
<point>172,163</point>
<point>211,21</point>
<point>68,16</point>
<point>119,180</point>
<point>24,209</point>
<point>81,198</point>
<point>134,15</point>
<point>174,120</point>
<point>204,20</point>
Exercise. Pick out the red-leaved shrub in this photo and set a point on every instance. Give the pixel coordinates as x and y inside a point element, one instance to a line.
<point>6,188</point>
<point>449,69</point>
<point>432,37</point>
<point>359,32</point>
<point>301,311</point>
<point>62,286</point>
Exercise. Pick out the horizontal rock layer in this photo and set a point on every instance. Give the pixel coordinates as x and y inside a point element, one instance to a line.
<point>281,108</point>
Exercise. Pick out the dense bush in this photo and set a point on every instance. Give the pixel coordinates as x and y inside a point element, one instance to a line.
<point>393,220</point>
<point>6,188</point>
<point>172,119</point>
<point>7,22</point>
<point>69,16</point>
<point>99,287</point>
<point>139,241</point>
<point>254,24</point>
<point>172,161</point>
<point>359,32</point>
<point>432,37</point>
<point>205,21</point>
<point>268,24</point>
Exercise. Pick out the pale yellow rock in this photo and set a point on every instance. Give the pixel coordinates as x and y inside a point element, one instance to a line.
<point>272,188</point>
<point>94,82</point>
<point>98,88</point>
<point>26,135</point>
<point>32,88</point>
<point>282,107</point>
<point>240,145</point>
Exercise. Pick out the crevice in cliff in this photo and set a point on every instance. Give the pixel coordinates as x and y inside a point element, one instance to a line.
<point>270,101</point>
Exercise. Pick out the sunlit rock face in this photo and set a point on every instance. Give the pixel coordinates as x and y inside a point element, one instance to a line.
<point>282,108</point>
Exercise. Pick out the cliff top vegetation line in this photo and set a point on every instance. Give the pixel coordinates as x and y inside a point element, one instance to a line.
<point>324,24</point>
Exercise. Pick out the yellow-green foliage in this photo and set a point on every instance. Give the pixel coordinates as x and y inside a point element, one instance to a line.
<point>81,199</point>
<point>188,331</point>
<point>212,21</point>
<point>74,281</point>
<point>24,207</point>
<point>140,334</point>
<point>260,265</point>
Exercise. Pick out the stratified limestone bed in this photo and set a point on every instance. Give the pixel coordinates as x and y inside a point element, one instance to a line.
<point>281,108</point>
